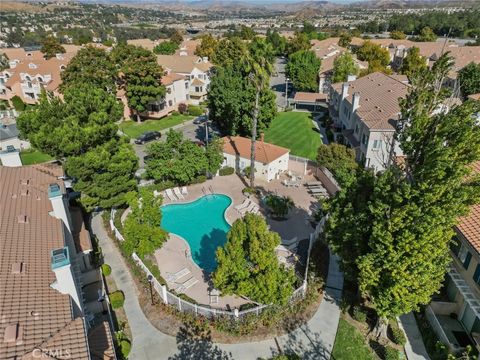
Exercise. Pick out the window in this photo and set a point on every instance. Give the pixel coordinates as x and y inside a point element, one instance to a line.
<point>464,256</point>
<point>186,85</point>
<point>170,102</point>
<point>356,129</point>
<point>198,89</point>
<point>364,139</point>
<point>377,144</point>
<point>476,275</point>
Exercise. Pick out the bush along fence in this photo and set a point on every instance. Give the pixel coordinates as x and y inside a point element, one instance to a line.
<point>185,306</point>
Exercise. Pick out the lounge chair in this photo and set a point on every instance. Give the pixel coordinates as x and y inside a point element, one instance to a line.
<point>184,191</point>
<point>172,277</point>
<point>248,208</point>
<point>178,193</point>
<point>254,210</point>
<point>313,183</point>
<point>243,205</point>
<point>318,191</point>
<point>170,195</point>
<point>186,285</point>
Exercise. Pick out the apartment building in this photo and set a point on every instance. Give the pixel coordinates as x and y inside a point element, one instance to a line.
<point>176,87</point>
<point>328,50</point>
<point>53,298</point>
<point>455,313</point>
<point>196,71</point>
<point>29,73</point>
<point>365,112</point>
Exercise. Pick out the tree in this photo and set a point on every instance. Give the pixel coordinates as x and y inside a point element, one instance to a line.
<point>142,231</point>
<point>374,53</point>
<point>231,101</point>
<point>176,37</point>
<point>207,46</point>
<point>83,120</point>
<point>166,48</point>
<point>229,52</point>
<point>404,217</point>
<point>343,66</point>
<point>104,174</point>
<point>469,78</point>
<point>140,76</point>
<point>248,265</point>
<point>340,160</point>
<point>277,41</point>
<point>302,68</point>
<point>4,63</point>
<point>51,47</point>
<point>298,43</point>
<point>426,34</point>
<point>214,154</point>
<point>260,50</point>
<point>179,160</point>
<point>92,66</point>
<point>398,35</point>
<point>413,62</point>
<point>345,39</point>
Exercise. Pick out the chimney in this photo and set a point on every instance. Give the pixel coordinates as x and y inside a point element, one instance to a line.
<point>59,205</point>
<point>355,101</point>
<point>10,157</point>
<point>345,90</point>
<point>65,282</point>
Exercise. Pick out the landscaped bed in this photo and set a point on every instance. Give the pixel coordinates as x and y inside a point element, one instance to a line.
<point>134,129</point>
<point>295,130</point>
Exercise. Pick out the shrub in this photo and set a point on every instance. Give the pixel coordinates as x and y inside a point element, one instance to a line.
<point>248,190</point>
<point>182,108</point>
<point>106,269</point>
<point>175,113</point>
<point>199,179</point>
<point>194,110</point>
<point>18,103</point>
<point>390,353</point>
<point>397,335</point>
<point>227,170</point>
<point>359,314</point>
<point>116,299</point>
<point>125,348</point>
<point>279,206</point>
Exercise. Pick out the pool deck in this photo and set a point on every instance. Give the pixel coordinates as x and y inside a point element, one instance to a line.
<point>173,256</point>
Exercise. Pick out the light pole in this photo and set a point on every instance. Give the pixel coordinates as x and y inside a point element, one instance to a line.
<point>206,127</point>
<point>286,91</point>
<point>150,281</point>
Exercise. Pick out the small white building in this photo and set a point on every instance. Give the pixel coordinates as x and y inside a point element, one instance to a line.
<point>270,160</point>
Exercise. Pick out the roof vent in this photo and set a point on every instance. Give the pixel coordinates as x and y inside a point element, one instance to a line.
<point>13,333</point>
<point>14,196</point>
<point>22,219</point>
<point>35,314</point>
<point>24,181</point>
<point>18,268</point>
<point>24,192</point>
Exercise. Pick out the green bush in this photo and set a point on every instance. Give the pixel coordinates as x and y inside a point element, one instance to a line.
<point>359,314</point>
<point>116,299</point>
<point>194,110</point>
<point>279,206</point>
<point>390,353</point>
<point>18,103</point>
<point>106,269</point>
<point>248,190</point>
<point>199,179</point>
<point>227,170</point>
<point>125,348</point>
<point>397,335</point>
<point>175,113</point>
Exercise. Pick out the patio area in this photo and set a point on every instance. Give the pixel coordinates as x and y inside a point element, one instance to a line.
<point>174,255</point>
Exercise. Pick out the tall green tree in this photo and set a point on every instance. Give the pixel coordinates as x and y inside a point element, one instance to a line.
<point>230,52</point>
<point>83,120</point>
<point>469,78</point>
<point>278,42</point>
<point>413,62</point>
<point>426,34</point>
<point>345,39</point>
<point>92,66</point>
<point>140,76</point>
<point>142,231</point>
<point>343,66</point>
<point>404,217</point>
<point>166,48</point>
<point>374,53</point>
<point>300,42</point>
<point>397,35</point>
<point>105,174</point>
<point>51,47</point>
<point>302,68</point>
<point>340,160</point>
<point>248,265</point>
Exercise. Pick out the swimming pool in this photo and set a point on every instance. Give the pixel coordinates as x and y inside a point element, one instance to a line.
<point>202,224</point>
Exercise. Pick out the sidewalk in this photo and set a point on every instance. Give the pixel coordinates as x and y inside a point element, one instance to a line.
<point>313,340</point>
<point>414,348</point>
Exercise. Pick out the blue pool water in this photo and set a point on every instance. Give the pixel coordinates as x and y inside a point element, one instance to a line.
<point>202,224</point>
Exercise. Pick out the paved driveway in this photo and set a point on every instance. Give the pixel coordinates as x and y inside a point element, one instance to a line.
<point>277,83</point>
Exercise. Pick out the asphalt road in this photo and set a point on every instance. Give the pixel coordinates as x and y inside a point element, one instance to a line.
<point>277,83</point>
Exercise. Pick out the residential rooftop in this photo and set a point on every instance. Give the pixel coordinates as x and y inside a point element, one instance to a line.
<point>265,153</point>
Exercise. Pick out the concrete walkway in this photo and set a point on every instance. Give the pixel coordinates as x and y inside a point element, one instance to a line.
<point>313,340</point>
<point>414,348</point>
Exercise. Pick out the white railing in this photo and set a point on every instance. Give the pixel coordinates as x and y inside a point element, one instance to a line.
<point>185,306</point>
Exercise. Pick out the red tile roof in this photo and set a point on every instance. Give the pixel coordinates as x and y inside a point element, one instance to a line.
<point>309,97</point>
<point>264,152</point>
<point>469,225</point>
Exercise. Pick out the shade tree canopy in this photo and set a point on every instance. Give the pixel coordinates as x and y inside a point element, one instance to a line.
<point>302,68</point>
<point>413,62</point>
<point>51,47</point>
<point>343,66</point>
<point>469,78</point>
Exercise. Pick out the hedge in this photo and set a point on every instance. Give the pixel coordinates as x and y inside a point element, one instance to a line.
<point>397,335</point>
<point>227,170</point>
<point>391,353</point>
<point>116,299</point>
<point>194,110</point>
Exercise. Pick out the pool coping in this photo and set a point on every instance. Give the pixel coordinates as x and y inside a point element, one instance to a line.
<point>190,258</point>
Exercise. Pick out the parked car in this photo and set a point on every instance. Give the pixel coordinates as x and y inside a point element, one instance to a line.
<point>147,136</point>
<point>199,120</point>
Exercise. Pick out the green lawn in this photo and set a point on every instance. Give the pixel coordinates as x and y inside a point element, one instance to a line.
<point>350,344</point>
<point>134,129</point>
<point>295,130</point>
<point>34,157</point>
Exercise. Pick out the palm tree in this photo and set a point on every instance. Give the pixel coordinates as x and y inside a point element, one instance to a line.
<point>259,68</point>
